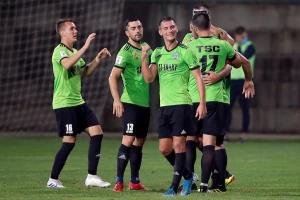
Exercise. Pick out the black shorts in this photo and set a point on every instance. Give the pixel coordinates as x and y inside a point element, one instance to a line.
<point>135,120</point>
<point>214,121</point>
<point>73,120</point>
<point>175,121</point>
<point>197,124</point>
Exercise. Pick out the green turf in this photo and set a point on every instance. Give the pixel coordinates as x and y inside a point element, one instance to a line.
<point>263,170</point>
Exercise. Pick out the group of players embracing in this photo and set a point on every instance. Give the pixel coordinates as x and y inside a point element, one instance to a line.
<point>194,94</point>
<point>194,98</point>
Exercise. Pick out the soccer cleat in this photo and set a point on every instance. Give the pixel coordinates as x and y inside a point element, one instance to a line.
<point>229,178</point>
<point>187,184</point>
<point>118,187</point>
<point>194,185</point>
<point>54,183</point>
<point>96,181</point>
<point>136,186</point>
<point>204,188</point>
<point>170,193</point>
<point>219,189</point>
<point>214,181</point>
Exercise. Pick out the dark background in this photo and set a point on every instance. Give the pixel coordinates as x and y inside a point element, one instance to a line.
<point>28,38</point>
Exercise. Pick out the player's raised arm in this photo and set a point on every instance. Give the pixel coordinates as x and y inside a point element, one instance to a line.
<point>69,62</point>
<point>212,77</point>
<point>222,34</point>
<point>149,72</point>
<point>89,69</point>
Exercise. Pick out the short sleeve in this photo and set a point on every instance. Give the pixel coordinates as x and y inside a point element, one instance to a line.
<point>59,54</point>
<point>81,63</point>
<point>153,57</point>
<point>230,52</point>
<point>122,59</point>
<point>191,59</point>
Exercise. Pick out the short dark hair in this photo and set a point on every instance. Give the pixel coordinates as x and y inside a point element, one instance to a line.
<point>60,24</point>
<point>240,30</point>
<point>166,19</point>
<point>201,21</point>
<point>130,19</point>
<point>199,6</point>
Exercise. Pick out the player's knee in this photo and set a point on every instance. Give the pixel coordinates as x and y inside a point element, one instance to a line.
<point>179,147</point>
<point>165,150</point>
<point>139,142</point>
<point>69,139</point>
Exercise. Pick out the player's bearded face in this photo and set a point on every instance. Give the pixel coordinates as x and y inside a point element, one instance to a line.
<point>168,30</point>
<point>70,32</point>
<point>135,31</point>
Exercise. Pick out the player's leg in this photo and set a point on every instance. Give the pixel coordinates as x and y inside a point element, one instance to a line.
<point>220,164</point>
<point>234,94</point>
<point>191,140</point>
<point>193,128</point>
<point>245,106</point>
<point>213,125</point>
<point>137,147</point>
<point>90,124</point>
<point>67,129</point>
<point>129,125</point>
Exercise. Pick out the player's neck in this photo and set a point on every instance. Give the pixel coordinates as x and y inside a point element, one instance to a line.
<point>171,44</point>
<point>203,33</point>
<point>135,44</point>
<point>68,44</point>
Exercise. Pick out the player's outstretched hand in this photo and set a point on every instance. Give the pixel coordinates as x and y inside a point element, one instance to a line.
<point>248,89</point>
<point>210,78</point>
<point>103,54</point>
<point>223,35</point>
<point>201,111</point>
<point>89,39</point>
<point>145,50</point>
<point>118,108</point>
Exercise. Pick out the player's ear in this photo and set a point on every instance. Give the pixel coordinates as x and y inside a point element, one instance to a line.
<point>159,32</point>
<point>126,32</point>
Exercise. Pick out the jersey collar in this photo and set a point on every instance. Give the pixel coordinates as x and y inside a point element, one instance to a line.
<point>134,46</point>
<point>173,48</point>
<point>66,46</point>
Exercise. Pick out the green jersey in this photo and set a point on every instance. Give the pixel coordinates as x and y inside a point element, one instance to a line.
<point>174,70</point>
<point>136,90</point>
<point>67,83</point>
<point>212,54</point>
<point>187,38</point>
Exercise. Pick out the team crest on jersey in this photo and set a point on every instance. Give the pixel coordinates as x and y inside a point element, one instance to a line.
<point>63,53</point>
<point>176,56</point>
<point>134,55</point>
<point>119,59</point>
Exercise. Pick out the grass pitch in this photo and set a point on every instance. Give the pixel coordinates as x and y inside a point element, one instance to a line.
<point>263,170</point>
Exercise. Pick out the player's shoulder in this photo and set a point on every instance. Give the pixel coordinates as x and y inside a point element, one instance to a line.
<point>182,46</point>
<point>145,44</point>
<point>60,47</point>
<point>187,36</point>
<point>158,49</point>
<point>126,47</point>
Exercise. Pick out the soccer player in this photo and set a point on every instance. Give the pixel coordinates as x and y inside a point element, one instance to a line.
<point>219,32</point>
<point>194,141</point>
<point>173,63</point>
<point>133,106</point>
<point>73,115</point>
<point>213,54</point>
